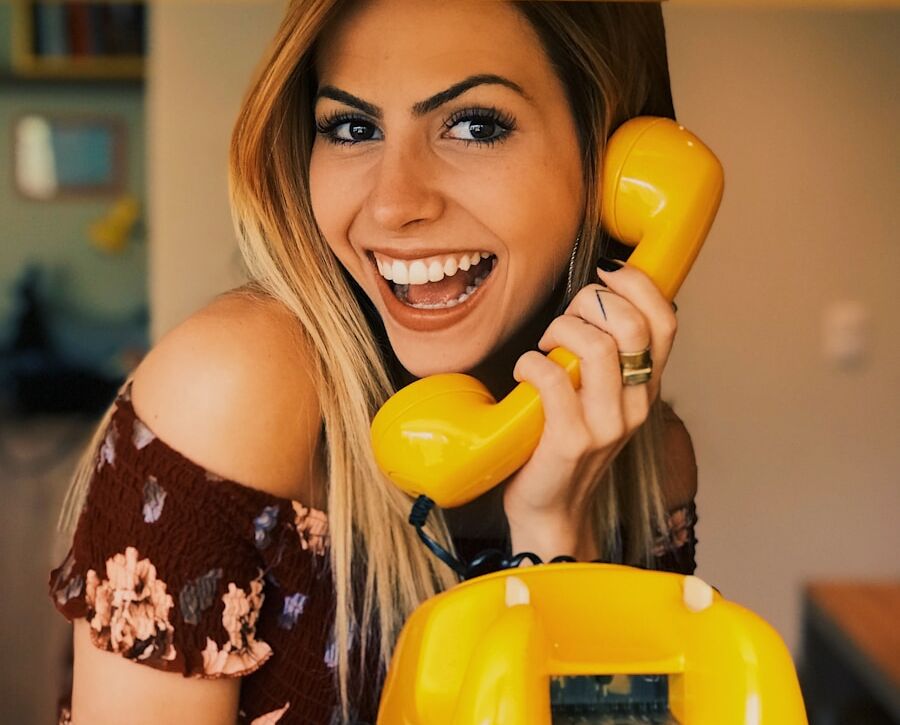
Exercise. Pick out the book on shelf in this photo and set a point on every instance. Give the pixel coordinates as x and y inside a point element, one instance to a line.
<point>87,29</point>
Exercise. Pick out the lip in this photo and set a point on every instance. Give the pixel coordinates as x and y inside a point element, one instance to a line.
<point>428,320</point>
<point>407,254</point>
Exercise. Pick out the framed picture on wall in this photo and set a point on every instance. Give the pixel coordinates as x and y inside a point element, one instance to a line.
<point>66,156</point>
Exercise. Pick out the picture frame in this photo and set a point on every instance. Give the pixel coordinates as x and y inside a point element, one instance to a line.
<point>67,156</point>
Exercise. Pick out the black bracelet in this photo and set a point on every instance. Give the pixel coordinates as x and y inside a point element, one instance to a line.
<point>485,562</point>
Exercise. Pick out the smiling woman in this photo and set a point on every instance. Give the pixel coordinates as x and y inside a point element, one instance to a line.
<point>415,188</point>
<point>470,147</point>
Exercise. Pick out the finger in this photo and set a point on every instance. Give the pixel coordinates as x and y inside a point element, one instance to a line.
<point>601,393</point>
<point>613,314</point>
<point>657,316</point>
<point>631,331</point>
<point>565,429</point>
<point>637,287</point>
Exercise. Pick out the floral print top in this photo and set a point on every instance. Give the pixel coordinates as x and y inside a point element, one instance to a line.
<point>182,570</point>
<point>179,569</point>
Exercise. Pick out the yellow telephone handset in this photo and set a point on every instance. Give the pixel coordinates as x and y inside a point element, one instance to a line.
<point>445,436</point>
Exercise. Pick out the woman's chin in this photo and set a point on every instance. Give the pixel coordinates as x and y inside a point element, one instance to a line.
<point>436,359</point>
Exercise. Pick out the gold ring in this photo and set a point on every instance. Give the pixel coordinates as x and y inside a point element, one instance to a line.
<point>636,377</point>
<point>637,367</point>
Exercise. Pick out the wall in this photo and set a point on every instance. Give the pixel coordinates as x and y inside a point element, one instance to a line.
<point>798,461</point>
<point>203,57</point>
<point>87,289</point>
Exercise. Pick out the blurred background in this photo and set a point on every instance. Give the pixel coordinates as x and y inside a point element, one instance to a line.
<point>114,227</point>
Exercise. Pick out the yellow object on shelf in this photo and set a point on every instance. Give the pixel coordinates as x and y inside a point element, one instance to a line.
<point>110,233</point>
<point>487,650</point>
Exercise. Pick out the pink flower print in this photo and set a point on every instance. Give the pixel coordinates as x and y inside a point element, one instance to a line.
<point>141,435</point>
<point>228,661</point>
<point>271,718</point>
<point>242,653</point>
<point>312,528</point>
<point>678,532</point>
<point>129,610</point>
<point>107,453</point>
<point>679,528</point>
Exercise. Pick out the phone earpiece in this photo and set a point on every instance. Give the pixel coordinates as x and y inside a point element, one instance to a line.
<point>444,435</point>
<point>661,190</point>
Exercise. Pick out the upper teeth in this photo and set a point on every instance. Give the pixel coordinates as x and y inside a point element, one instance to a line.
<point>427,269</point>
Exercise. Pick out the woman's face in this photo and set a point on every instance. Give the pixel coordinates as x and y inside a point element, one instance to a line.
<point>440,181</point>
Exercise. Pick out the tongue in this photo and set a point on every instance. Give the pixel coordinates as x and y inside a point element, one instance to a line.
<point>447,289</point>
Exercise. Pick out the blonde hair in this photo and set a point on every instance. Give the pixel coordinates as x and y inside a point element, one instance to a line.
<point>612,60</point>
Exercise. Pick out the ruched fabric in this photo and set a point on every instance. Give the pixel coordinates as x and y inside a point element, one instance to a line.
<point>179,569</point>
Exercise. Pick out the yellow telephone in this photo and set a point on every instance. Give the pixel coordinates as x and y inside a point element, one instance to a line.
<point>444,435</point>
<point>570,643</point>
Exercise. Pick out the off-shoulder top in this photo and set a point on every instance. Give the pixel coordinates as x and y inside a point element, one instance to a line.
<point>179,569</point>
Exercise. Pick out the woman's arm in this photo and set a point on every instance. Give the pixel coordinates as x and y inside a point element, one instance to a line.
<point>109,690</point>
<point>226,389</point>
<point>675,548</point>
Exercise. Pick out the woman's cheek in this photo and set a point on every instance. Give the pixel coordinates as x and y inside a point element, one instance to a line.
<point>329,213</point>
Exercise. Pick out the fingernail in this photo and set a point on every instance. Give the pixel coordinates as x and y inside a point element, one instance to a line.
<point>601,282</point>
<point>609,265</point>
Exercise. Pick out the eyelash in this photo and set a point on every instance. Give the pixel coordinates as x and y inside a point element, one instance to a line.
<point>489,114</point>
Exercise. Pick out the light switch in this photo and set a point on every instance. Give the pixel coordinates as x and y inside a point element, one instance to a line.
<point>845,333</point>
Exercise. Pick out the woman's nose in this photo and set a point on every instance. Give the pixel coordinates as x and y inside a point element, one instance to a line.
<point>403,189</point>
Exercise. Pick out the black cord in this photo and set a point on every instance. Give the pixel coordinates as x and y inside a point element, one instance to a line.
<point>417,517</point>
<point>485,561</point>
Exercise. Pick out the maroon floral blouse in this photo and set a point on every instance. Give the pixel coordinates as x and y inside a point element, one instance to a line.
<point>184,571</point>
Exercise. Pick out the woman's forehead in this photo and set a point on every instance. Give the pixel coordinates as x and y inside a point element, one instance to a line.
<point>392,41</point>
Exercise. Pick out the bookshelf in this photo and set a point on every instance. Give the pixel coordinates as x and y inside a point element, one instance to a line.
<point>91,40</point>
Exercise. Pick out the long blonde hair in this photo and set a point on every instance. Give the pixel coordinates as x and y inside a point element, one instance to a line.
<point>611,58</point>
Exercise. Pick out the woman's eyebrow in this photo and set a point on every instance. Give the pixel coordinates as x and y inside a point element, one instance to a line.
<point>429,104</point>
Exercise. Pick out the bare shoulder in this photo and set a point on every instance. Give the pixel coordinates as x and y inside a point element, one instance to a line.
<point>230,388</point>
<point>680,484</point>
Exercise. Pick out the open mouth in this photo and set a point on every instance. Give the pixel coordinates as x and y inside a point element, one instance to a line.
<point>449,291</point>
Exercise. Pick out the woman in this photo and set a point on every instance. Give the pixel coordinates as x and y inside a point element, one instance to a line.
<point>414,186</point>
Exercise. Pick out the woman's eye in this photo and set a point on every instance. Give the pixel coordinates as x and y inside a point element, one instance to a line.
<point>478,126</point>
<point>343,130</point>
<point>480,129</point>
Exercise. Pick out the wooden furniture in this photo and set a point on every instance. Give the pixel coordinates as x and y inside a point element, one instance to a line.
<point>87,40</point>
<point>851,652</point>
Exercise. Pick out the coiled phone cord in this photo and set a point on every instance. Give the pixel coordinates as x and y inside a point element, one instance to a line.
<point>485,561</point>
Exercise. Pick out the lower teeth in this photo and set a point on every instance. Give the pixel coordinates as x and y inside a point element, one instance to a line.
<point>401,290</point>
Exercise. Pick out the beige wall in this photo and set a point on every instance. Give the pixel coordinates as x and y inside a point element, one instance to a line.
<point>202,57</point>
<point>798,458</point>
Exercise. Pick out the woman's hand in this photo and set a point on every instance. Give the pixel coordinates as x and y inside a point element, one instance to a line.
<point>546,500</point>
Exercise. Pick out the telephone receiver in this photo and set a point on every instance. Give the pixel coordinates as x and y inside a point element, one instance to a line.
<point>445,436</point>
